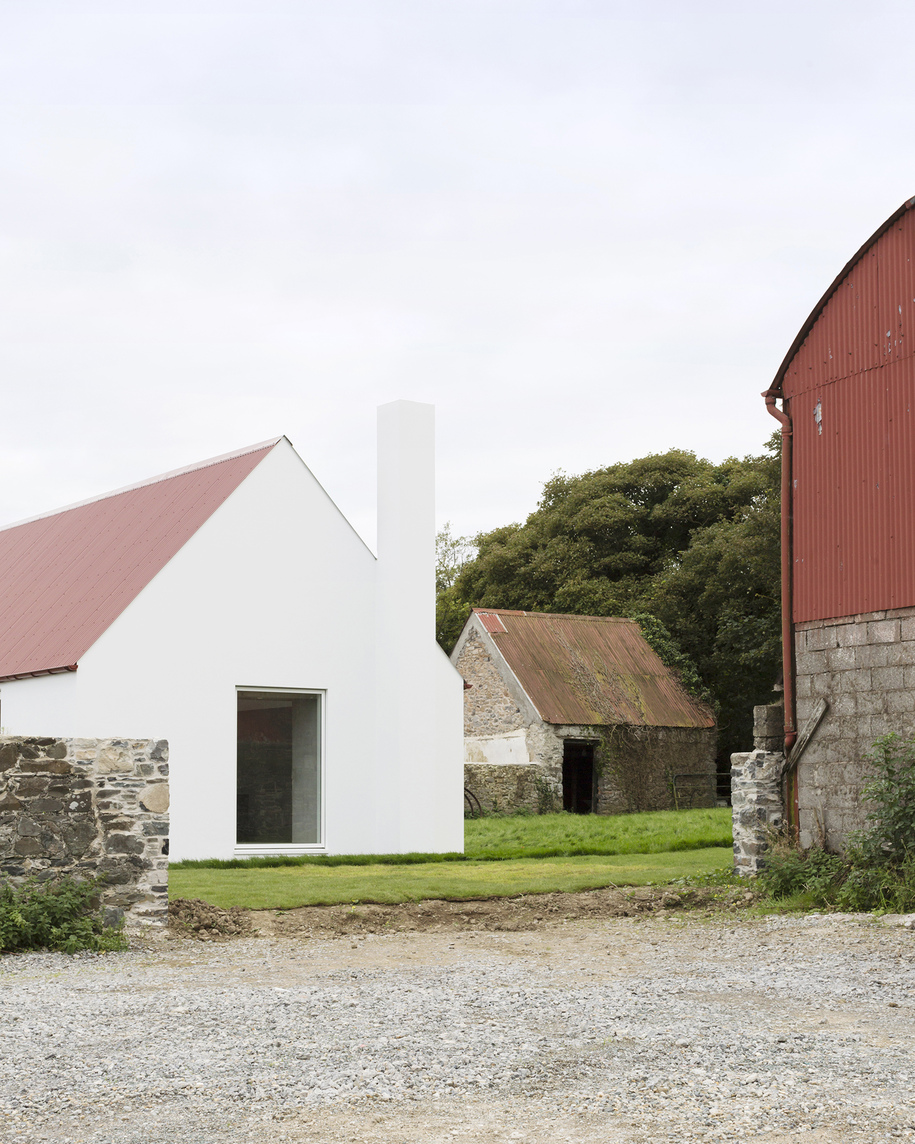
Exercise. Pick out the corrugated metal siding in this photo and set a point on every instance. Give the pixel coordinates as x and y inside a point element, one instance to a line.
<point>66,577</point>
<point>854,482</point>
<point>593,670</point>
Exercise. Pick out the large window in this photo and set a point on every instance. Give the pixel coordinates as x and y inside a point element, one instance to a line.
<point>279,768</point>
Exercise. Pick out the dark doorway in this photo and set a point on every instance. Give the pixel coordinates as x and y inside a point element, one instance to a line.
<point>578,777</point>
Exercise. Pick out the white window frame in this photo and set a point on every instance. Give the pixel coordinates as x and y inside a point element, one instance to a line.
<point>291,849</point>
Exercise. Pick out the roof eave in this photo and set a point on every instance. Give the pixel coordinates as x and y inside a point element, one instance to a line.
<point>42,671</point>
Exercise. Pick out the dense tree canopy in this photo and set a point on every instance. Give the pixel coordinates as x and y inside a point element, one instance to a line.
<point>689,542</point>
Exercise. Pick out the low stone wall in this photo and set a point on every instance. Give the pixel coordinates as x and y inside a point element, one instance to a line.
<point>89,807</point>
<point>756,806</point>
<point>510,787</point>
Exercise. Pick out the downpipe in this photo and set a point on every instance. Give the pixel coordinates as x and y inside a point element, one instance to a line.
<point>787,578</point>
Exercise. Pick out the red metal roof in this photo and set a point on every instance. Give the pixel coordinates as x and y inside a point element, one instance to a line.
<point>67,575</point>
<point>591,670</point>
<point>848,383</point>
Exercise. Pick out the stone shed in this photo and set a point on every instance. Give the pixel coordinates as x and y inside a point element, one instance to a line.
<point>577,713</point>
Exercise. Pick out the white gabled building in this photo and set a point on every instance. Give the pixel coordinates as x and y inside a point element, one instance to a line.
<point>230,609</point>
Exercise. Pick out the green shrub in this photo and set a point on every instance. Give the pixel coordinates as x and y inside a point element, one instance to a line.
<point>888,888</point>
<point>890,833</point>
<point>61,915</point>
<point>877,871</point>
<point>789,871</point>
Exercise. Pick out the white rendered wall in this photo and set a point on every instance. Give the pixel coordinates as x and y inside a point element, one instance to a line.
<point>274,590</point>
<point>498,750</point>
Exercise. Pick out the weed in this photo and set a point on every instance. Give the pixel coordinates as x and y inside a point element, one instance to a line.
<point>877,870</point>
<point>890,833</point>
<point>62,915</point>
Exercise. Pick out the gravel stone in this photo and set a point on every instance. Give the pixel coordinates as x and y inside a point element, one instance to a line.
<point>635,1029</point>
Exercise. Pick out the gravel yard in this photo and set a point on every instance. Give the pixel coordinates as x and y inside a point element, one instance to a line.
<point>623,1029</point>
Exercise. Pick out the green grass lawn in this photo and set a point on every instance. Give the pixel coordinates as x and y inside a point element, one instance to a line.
<point>555,835</point>
<point>535,836</point>
<point>285,887</point>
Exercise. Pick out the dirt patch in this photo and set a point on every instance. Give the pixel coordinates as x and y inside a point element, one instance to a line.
<point>194,918</point>
<point>531,912</point>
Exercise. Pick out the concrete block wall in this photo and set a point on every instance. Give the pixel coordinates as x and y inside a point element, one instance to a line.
<point>864,666</point>
<point>89,807</point>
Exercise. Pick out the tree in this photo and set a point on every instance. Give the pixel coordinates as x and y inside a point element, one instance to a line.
<point>689,542</point>
<point>451,555</point>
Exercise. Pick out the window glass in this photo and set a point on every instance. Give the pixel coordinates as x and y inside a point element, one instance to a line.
<point>278,760</point>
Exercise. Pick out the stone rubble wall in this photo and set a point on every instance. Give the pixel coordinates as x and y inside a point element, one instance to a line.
<point>489,708</point>
<point>507,787</point>
<point>864,666</point>
<point>89,807</point>
<point>659,754</point>
<point>756,806</point>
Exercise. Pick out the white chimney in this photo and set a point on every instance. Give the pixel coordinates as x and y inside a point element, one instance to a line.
<point>407,688</point>
<point>406,508</point>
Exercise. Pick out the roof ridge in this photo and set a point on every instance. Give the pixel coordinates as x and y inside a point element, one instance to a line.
<point>562,615</point>
<point>206,464</point>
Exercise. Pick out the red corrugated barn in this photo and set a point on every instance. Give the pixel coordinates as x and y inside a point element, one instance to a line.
<point>577,712</point>
<point>847,388</point>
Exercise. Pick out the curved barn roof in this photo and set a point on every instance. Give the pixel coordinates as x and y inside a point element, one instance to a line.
<point>67,575</point>
<point>817,310</point>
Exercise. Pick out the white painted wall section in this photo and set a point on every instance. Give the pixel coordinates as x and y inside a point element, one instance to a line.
<point>498,750</point>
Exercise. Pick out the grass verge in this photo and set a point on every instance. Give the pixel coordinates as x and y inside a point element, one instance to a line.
<point>555,835</point>
<point>286,887</point>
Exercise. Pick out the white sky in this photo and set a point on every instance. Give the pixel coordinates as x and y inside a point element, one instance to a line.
<point>586,230</point>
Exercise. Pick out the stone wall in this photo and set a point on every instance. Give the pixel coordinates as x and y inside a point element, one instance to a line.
<point>864,666</point>
<point>512,787</point>
<point>670,767</point>
<point>488,706</point>
<point>756,806</point>
<point>657,768</point>
<point>87,807</point>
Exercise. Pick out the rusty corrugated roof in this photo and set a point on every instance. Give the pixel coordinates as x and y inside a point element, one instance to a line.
<point>591,670</point>
<point>66,576</point>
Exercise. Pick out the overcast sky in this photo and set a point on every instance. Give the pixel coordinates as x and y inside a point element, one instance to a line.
<point>585,230</point>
